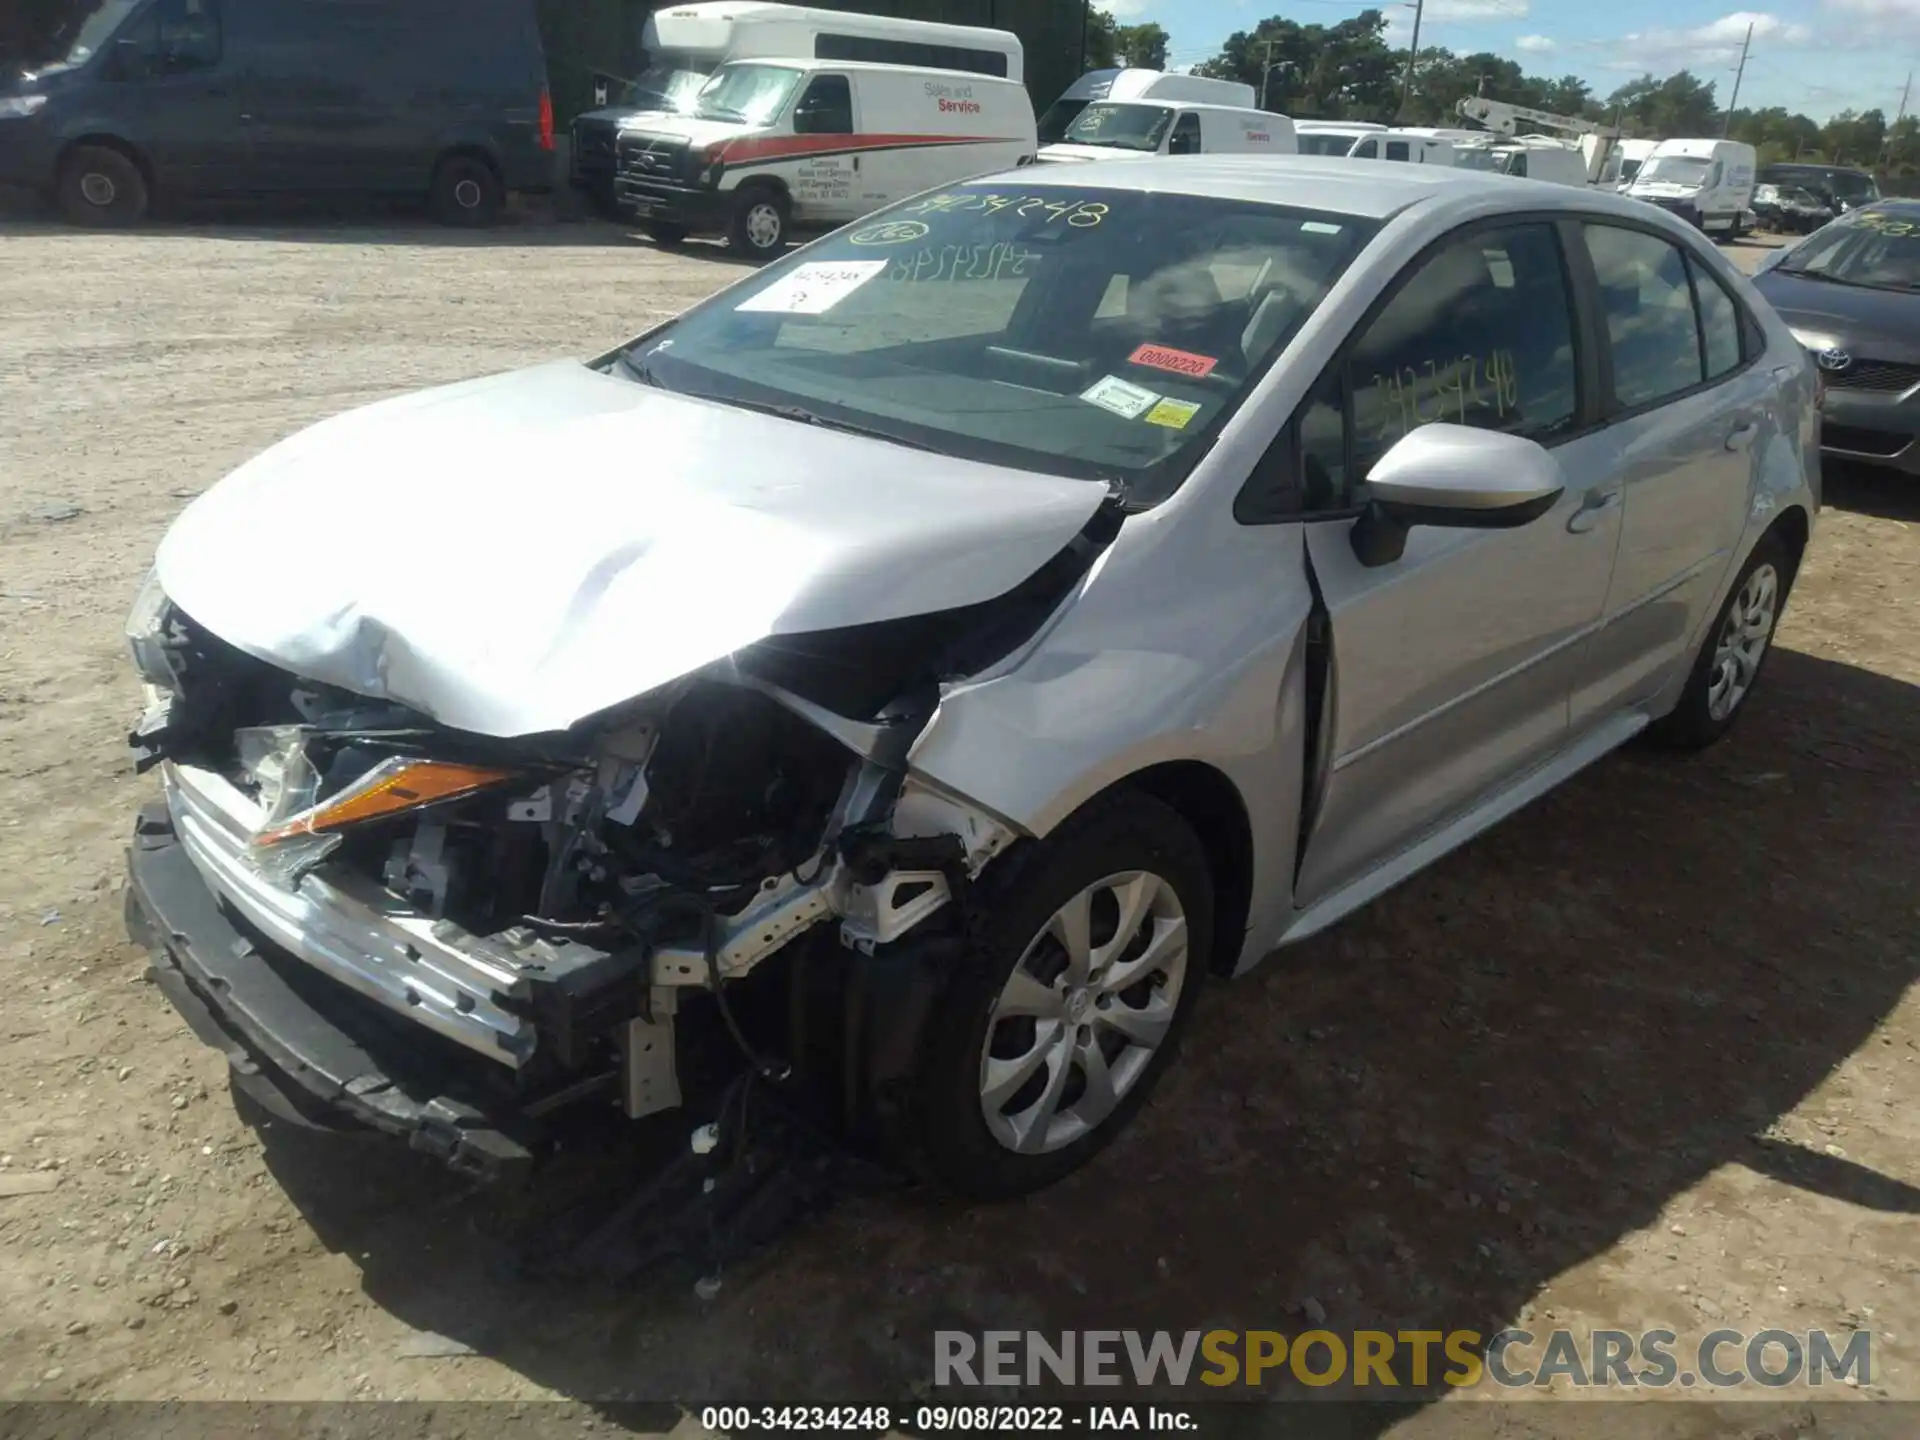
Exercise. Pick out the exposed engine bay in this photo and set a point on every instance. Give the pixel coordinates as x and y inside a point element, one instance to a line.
<point>589,910</point>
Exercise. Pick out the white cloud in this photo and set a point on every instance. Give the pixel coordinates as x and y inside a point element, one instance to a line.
<point>1704,46</point>
<point>1535,44</point>
<point>1465,10</point>
<point>1125,10</point>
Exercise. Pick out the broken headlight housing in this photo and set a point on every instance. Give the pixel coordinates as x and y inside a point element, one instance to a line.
<point>147,634</point>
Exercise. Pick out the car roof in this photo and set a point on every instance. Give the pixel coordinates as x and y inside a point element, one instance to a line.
<point>1365,189</point>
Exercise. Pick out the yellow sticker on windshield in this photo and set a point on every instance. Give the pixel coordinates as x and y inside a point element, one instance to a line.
<point>1174,414</point>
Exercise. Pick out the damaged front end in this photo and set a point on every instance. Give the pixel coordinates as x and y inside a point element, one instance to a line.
<point>459,937</point>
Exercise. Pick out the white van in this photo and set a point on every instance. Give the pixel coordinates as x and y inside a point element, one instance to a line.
<point>1708,182</point>
<point>1331,137</point>
<point>769,147</point>
<point>1134,84</point>
<point>1167,127</point>
<point>685,44</point>
<point>1411,146</point>
<point>1530,157</point>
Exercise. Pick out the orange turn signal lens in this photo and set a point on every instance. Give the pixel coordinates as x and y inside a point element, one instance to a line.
<point>390,788</point>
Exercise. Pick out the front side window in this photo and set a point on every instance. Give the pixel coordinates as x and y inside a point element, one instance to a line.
<point>746,94</point>
<point>79,36</point>
<point>175,37</point>
<point>1480,334</point>
<point>1186,136</point>
<point>826,108</point>
<point>1102,334</point>
<point>1649,308</point>
<point>1121,127</point>
<point>1367,150</point>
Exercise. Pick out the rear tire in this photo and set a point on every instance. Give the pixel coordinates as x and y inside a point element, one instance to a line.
<point>1032,1070</point>
<point>1733,654</point>
<point>467,193</point>
<point>757,228</point>
<point>102,188</point>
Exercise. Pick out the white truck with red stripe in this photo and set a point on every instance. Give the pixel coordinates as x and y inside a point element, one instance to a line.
<point>768,148</point>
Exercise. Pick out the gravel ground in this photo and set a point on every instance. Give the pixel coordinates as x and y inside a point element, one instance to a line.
<point>1643,1055</point>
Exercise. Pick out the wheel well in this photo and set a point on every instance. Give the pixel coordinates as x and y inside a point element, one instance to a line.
<point>1208,801</point>
<point>764,182</point>
<point>106,142</point>
<point>1794,531</point>
<point>466,152</point>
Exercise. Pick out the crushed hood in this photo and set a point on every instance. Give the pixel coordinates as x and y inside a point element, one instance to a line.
<point>512,555</point>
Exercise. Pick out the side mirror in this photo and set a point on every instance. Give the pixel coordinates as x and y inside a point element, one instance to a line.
<point>1454,476</point>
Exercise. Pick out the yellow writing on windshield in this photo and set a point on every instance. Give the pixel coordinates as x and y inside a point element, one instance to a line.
<point>1001,261</point>
<point>1885,223</point>
<point>1469,390</point>
<point>1081,214</point>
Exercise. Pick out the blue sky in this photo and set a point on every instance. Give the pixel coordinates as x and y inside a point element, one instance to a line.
<point>1815,56</point>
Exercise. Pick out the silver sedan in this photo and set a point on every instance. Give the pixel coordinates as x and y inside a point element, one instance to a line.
<point>905,677</point>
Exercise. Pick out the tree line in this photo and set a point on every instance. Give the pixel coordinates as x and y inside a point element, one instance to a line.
<point>1348,71</point>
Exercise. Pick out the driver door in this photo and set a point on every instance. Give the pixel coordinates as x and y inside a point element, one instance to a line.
<point>826,179</point>
<point>1451,667</point>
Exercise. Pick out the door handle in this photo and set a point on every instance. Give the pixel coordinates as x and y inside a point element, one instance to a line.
<point>1590,511</point>
<point>1743,435</point>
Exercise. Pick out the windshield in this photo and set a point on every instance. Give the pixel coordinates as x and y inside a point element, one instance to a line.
<point>1326,142</point>
<point>1879,249</point>
<point>1123,127</point>
<point>669,84</point>
<point>1676,169</point>
<point>77,39</point>
<point>753,94</point>
<point>1062,113</point>
<point>1100,334</point>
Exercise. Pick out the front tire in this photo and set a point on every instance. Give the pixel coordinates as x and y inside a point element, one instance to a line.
<point>467,193</point>
<point>1733,654</point>
<point>757,228</point>
<point>1089,953</point>
<point>102,188</point>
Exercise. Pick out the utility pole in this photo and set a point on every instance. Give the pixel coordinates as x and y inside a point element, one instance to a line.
<point>1266,74</point>
<point>1727,129</point>
<point>1886,150</point>
<point>1413,50</point>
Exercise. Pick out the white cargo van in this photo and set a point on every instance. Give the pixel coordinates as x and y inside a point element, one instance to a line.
<point>685,44</point>
<point>1167,127</point>
<point>1410,146</point>
<point>1331,137</point>
<point>1707,182</point>
<point>1133,84</point>
<point>767,148</point>
<point>1530,157</point>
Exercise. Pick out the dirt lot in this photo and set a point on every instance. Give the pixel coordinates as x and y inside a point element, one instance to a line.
<point>1645,1055</point>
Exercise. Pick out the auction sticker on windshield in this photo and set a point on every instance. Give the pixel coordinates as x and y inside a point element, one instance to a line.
<point>1113,393</point>
<point>815,288</point>
<point>1180,362</point>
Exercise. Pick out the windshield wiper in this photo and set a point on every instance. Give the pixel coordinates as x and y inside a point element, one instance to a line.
<point>637,370</point>
<point>803,416</point>
<point>1823,277</point>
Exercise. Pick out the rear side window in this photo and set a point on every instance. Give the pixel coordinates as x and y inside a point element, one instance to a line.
<point>1398,150</point>
<point>1719,322</point>
<point>1648,303</point>
<point>1480,333</point>
<point>906,52</point>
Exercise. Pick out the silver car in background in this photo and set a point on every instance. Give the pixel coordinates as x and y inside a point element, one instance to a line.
<point>911,672</point>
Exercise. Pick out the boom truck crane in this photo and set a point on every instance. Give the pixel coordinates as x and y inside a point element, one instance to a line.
<point>1598,144</point>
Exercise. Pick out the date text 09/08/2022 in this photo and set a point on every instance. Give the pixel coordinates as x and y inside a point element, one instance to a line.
<point>934,1419</point>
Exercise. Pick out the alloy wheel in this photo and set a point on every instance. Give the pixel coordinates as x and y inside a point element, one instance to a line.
<point>1744,637</point>
<point>763,226</point>
<point>1085,1009</point>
